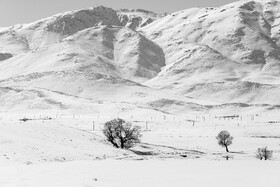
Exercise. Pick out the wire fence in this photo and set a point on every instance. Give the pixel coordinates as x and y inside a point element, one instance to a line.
<point>95,122</point>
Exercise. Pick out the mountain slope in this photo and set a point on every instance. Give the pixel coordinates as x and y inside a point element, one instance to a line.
<point>85,53</point>
<point>226,46</point>
<point>248,39</point>
<point>105,49</point>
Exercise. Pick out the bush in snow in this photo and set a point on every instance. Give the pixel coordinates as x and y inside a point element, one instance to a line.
<point>121,133</point>
<point>224,139</point>
<point>264,153</point>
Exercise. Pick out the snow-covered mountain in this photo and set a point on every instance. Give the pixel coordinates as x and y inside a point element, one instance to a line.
<point>229,54</point>
<point>198,59</point>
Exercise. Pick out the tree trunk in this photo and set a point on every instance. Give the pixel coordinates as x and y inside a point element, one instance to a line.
<point>122,143</point>
<point>227,149</point>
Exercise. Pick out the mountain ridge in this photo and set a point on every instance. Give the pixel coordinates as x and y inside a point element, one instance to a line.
<point>194,53</point>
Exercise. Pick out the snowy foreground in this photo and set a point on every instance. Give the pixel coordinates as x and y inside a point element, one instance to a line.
<point>70,150</point>
<point>145,173</point>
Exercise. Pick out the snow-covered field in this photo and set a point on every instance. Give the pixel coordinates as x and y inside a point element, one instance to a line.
<point>70,150</point>
<point>144,173</point>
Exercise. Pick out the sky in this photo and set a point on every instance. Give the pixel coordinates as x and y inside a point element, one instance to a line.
<point>26,11</point>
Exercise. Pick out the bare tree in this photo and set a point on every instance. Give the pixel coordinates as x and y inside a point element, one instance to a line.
<point>121,133</point>
<point>264,153</point>
<point>224,139</point>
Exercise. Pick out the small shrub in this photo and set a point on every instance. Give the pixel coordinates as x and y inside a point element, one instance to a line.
<point>224,139</point>
<point>264,153</point>
<point>121,134</point>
